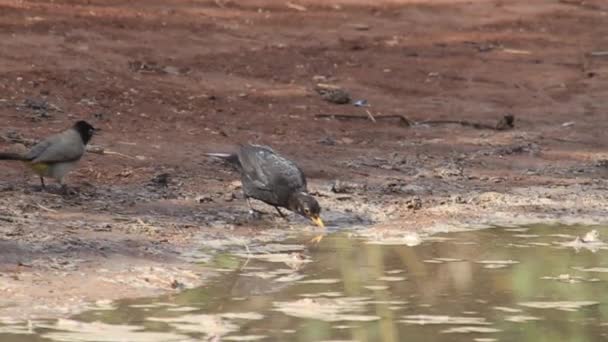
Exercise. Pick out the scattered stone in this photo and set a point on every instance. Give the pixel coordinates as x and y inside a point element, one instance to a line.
<point>414,203</point>
<point>161,179</point>
<point>591,241</point>
<point>449,171</point>
<point>347,141</point>
<point>39,108</point>
<point>125,173</point>
<point>360,103</point>
<point>505,123</point>
<point>333,94</point>
<point>457,199</point>
<point>344,187</point>
<point>603,163</point>
<point>171,70</point>
<point>591,237</point>
<point>229,197</point>
<point>530,148</point>
<point>155,68</point>
<point>36,104</point>
<point>361,27</point>
<point>204,198</point>
<point>176,285</point>
<point>329,141</point>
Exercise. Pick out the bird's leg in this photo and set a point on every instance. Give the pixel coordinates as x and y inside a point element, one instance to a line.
<point>42,183</point>
<point>316,239</point>
<point>253,212</point>
<point>280,213</point>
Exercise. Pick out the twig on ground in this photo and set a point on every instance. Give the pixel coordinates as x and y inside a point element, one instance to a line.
<point>505,123</point>
<point>599,54</point>
<point>402,119</point>
<point>100,150</point>
<point>45,208</point>
<point>296,7</point>
<point>371,117</point>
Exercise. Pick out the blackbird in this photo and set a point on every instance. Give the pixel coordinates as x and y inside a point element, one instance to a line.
<point>271,178</point>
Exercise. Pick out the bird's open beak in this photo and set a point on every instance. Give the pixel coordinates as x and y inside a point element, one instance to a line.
<point>317,220</point>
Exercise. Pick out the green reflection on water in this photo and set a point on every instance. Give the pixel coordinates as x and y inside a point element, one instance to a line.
<point>479,275</point>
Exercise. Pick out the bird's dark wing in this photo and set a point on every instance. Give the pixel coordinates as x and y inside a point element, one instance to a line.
<point>269,170</point>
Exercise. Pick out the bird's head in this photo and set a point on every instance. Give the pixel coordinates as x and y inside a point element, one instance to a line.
<point>306,205</point>
<point>85,130</point>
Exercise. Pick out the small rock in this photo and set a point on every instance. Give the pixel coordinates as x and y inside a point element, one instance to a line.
<point>414,203</point>
<point>361,27</point>
<point>329,141</point>
<point>161,179</point>
<point>347,141</point>
<point>490,197</point>
<point>342,187</point>
<point>360,103</point>
<point>36,104</point>
<point>412,189</point>
<point>125,173</point>
<point>99,115</point>
<point>229,197</point>
<point>235,185</point>
<point>176,285</point>
<point>497,179</point>
<point>457,199</point>
<point>506,122</point>
<point>171,70</point>
<point>591,237</point>
<point>333,94</point>
<point>602,163</point>
<point>204,198</point>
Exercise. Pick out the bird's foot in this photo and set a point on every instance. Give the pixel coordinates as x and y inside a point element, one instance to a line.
<point>68,192</point>
<point>39,188</point>
<point>255,214</point>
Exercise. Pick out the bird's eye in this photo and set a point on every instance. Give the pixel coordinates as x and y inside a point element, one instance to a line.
<point>306,211</point>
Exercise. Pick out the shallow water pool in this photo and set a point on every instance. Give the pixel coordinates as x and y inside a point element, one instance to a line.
<point>536,283</point>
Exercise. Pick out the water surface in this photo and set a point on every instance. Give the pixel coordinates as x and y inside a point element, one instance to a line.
<point>502,284</point>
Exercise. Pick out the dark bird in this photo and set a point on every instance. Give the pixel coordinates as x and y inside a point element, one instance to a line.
<point>271,178</point>
<point>56,155</point>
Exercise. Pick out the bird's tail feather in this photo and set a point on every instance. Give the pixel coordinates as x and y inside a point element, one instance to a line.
<point>220,155</point>
<point>231,158</point>
<point>11,156</point>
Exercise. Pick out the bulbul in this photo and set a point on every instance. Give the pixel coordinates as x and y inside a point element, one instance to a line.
<point>56,155</point>
<point>271,178</point>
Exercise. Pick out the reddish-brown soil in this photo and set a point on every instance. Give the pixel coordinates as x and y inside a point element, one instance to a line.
<point>170,80</point>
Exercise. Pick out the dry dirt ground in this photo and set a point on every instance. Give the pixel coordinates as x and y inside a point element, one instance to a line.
<point>170,80</point>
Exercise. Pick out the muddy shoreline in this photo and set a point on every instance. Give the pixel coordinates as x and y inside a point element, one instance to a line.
<point>168,81</point>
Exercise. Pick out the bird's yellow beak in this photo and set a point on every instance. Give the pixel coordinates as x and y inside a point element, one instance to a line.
<point>317,220</point>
